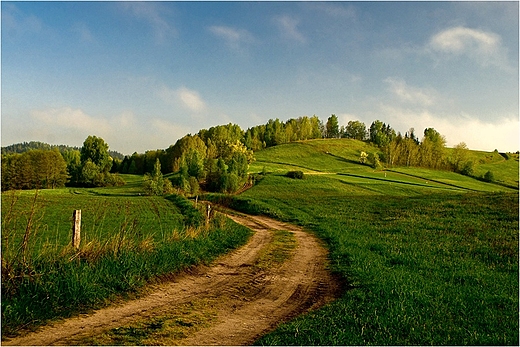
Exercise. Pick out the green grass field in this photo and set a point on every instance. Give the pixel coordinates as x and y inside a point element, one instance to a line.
<point>429,257</point>
<point>128,240</point>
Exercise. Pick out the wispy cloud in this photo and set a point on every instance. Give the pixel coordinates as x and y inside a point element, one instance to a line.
<point>336,10</point>
<point>83,31</point>
<point>289,28</point>
<point>71,126</point>
<point>233,37</point>
<point>154,14</point>
<point>409,94</point>
<point>481,46</point>
<point>16,23</point>
<point>70,118</point>
<point>186,98</point>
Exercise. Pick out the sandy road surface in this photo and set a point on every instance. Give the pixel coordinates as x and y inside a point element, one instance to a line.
<point>244,302</point>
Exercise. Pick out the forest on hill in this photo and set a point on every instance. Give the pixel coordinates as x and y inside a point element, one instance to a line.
<point>217,159</point>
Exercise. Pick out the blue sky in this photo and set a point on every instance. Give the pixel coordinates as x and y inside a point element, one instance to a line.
<point>143,74</point>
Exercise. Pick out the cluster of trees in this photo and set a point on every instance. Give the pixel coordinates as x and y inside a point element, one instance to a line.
<point>23,147</point>
<point>54,166</point>
<point>407,150</point>
<point>276,132</point>
<point>35,169</point>
<point>214,159</point>
<point>155,183</point>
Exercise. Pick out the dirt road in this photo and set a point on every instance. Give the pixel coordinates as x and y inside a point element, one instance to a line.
<point>232,302</point>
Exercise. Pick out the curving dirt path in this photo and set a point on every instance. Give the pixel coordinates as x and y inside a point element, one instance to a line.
<point>233,302</point>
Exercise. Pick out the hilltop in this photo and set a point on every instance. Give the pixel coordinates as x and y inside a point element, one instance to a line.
<point>341,157</point>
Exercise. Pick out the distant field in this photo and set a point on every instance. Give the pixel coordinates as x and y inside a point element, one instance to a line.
<point>342,157</point>
<point>429,257</point>
<point>102,216</point>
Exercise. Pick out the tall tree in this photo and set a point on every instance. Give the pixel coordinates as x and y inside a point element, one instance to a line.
<point>332,127</point>
<point>459,156</point>
<point>356,130</point>
<point>154,182</point>
<point>95,149</point>
<point>432,149</point>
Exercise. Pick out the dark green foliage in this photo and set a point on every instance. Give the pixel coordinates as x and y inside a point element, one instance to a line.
<point>355,130</point>
<point>489,177</point>
<point>95,150</point>
<point>381,134</point>
<point>506,156</point>
<point>155,183</point>
<point>95,164</point>
<point>468,168</point>
<point>332,127</point>
<point>37,168</point>
<point>295,174</point>
<point>191,215</point>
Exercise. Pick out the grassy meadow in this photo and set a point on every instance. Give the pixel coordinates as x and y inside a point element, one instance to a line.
<point>127,240</point>
<point>428,257</point>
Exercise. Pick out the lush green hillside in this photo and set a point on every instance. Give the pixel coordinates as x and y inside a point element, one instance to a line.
<point>341,157</point>
<point>428,257</point>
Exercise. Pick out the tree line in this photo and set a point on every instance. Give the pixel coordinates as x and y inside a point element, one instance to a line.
<point>43,166</point>
<point>217,159</point>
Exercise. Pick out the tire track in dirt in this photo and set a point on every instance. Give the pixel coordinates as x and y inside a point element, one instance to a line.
<point>246,302</point>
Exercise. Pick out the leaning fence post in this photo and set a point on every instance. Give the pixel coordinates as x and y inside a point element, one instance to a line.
<point>76,228</point>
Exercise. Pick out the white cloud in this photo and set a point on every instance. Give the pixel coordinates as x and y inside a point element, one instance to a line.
<point>333,9</point>
<point>69,118</point>
<point>484,47</point>
<point>289,28</point>
<point>233,37</point>
<point>164,129</point>
<point>459,40</point>
<point>83,31</point>
<point>123,132</point>
<point>410,94</point>
<point>187,98</point>
<point>344,118</point>
<point>501,134</point>
<point>15,23</point>
<point>154,14</point>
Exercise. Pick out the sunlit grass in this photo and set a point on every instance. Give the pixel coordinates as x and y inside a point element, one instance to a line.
<point>422,266</point>
<point>127,241</point>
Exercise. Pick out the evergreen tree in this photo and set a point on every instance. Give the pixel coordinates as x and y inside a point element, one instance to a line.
<point>154,182</point>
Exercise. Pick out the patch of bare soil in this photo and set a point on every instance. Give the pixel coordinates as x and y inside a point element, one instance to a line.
<point>232,302</point>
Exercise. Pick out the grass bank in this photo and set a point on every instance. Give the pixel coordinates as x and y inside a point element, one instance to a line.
<point>423,267</point>
<point>127,241</point>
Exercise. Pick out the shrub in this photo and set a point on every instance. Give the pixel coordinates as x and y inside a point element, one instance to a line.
<point>295,174</point>
<point>489,177</point>
<point>468,168</point>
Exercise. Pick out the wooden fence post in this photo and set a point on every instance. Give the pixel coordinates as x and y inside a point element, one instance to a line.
<point>76,228</point>
<point>208,214</point>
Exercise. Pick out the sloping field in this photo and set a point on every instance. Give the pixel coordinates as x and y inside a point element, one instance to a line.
<point>430,257</point>
<point>341,157</point>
